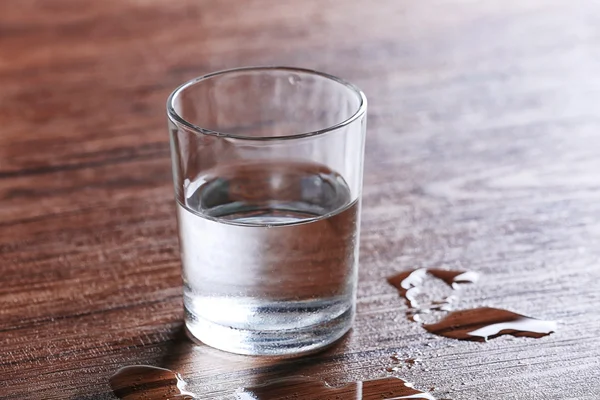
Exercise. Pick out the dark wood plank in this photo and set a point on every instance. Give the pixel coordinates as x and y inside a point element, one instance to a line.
<point>483,154</point>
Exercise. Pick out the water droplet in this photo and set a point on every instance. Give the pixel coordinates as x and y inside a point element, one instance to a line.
<point>407,284</point>
<point>139,382</point>
<point>485,323</point>
<point>416,318</point>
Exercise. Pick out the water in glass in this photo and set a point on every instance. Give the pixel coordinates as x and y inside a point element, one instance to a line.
<point>270,256</point>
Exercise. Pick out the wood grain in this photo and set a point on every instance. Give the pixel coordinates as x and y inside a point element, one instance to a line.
<point>482,154</point>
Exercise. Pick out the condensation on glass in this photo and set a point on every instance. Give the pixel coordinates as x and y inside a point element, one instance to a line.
<point>267,168</point>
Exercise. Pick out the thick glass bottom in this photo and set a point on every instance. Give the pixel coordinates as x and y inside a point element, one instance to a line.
<point>280,329</point>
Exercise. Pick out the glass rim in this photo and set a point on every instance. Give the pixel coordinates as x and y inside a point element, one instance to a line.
<point>178,119</point>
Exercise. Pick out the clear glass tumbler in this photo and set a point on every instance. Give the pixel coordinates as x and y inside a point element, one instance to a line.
<point>267,167</point>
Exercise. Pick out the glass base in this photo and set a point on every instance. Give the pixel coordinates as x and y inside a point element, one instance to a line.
<point>269,342</point>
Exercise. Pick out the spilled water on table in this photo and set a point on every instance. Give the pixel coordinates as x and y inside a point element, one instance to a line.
<point>480,324</point>
<point>312,389</point>
<point>486,323</point>
<point>410,283</point>
<point>145,382</point>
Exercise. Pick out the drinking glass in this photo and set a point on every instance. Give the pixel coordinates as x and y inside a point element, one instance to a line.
<point>267,168</point>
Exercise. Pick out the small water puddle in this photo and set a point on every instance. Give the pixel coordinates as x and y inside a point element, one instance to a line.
<point>145,382</point>
<point>312,389</point>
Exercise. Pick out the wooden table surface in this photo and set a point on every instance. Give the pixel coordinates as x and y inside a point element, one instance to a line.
<point>483,153</point>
